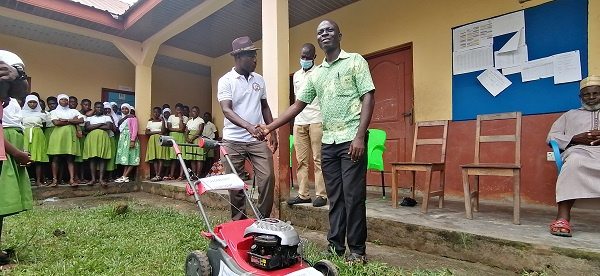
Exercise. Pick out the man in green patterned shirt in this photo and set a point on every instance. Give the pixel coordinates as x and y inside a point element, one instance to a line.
<point>345,90</point>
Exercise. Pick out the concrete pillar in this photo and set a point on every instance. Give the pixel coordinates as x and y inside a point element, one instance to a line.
<point>143,94</point>
<point>142,56</point>
<point>143,107</point>
<point>275,62</point>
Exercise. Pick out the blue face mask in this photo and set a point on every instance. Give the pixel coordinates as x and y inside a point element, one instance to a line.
<point>306,64</point>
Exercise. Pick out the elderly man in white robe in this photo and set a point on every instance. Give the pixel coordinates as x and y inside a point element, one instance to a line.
<point>577,133</point>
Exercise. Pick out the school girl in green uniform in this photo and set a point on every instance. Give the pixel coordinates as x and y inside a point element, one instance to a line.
<point>155,153</point>
<point>64,143</point>
<point>35,140</point>
<point>97,148</point>
<point>112,133</point>
<point>176,126</point>
<point>193,133</point>
<point>15,190</point>
<point>128,148</point>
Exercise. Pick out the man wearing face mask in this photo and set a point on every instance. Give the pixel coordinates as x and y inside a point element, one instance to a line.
<point>308,132</point>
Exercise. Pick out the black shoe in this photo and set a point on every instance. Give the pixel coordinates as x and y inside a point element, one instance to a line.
<point>408,202</point>
<point>356,258</point>
<point>320,201</point>
<point>298,200</point>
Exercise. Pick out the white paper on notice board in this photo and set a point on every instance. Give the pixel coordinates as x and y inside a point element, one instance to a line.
<point>511,70</point>
<point>472,60</point>
<point>472,36</point>
<point>511,59</point>
<point>516,41</point>
<point>493,81</point>
<point>567,67</point>
<point>508,23</point>
<point>537,69</point>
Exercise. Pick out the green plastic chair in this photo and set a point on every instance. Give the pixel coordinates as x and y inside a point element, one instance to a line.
<point>375,149</point>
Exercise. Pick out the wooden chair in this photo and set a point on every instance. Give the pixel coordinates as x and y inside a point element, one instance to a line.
<point>497,169</point>
<point>428,167</point>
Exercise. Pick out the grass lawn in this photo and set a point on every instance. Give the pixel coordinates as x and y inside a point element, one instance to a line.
<point>143,241</point>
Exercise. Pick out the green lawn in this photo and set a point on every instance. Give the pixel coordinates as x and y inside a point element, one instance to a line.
<point>144,241</point>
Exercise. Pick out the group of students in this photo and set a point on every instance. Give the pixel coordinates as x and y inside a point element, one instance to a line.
<point>185,125</point>
<point>100,137</point>
<point>103,136</point>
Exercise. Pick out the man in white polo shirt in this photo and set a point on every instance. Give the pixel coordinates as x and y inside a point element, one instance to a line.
<point>243,99</point>
<point>308,132</point>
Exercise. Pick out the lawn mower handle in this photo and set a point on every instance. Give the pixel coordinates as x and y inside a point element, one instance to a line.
<point>205,143</point>
<point>168,141</point>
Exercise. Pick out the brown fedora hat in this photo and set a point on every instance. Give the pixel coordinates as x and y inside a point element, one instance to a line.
<point>242,44</point>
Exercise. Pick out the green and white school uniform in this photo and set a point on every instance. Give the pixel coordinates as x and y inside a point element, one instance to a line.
<point>81,131</point>
<point>125,155</point>
<point>97,143</point>
<point>63,140</point>
<point>111,166</point>
<point>209,132</point>
<point>194,153</point>
<point>35,140</point>
<point>178,136</point>
<point>15,189</point>
<point>154,151</point>
<point>49,128</point>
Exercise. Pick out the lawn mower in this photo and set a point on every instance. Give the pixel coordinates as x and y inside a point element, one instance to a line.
<point>261,246</point>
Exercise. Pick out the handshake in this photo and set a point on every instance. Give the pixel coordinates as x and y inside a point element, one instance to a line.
<point>259,131</point>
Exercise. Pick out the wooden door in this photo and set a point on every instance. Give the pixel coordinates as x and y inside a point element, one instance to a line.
<point>391,71</point>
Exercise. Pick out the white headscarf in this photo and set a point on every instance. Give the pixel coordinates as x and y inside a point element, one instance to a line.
<point>119,111</point>
<point>113,115</point>
<point>63,112</point>
<point>26,111</point>
<point>129,107</point>
<point>123,124</point>
<point>109,106</point>
<point>162,114</point>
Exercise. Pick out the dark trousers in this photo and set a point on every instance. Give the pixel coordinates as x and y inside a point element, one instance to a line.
<point>346,186</point>
<point>261,158</point>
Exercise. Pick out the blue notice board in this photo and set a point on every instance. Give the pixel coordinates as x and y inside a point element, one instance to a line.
<point>118,96</point>
<point>551,28</point>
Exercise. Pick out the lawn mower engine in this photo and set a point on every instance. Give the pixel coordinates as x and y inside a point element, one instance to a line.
<point>275,244</point>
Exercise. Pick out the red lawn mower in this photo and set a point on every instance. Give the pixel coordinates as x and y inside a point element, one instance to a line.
<point>262,246</point>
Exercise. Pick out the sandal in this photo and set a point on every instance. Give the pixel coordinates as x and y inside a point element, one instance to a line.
<point>54,183</point>
<point>180,178</point>
<point>166,178</point>
<point>156,178</point>
<point>557,227</point>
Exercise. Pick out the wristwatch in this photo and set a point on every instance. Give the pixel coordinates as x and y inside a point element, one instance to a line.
<point>22,74</point>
